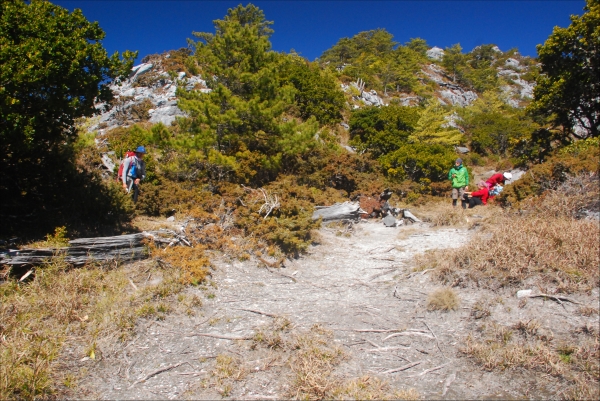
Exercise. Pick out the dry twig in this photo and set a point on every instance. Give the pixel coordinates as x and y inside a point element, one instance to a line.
<point>161,370</point>
<point>400,369</point>
<point>223,336</point>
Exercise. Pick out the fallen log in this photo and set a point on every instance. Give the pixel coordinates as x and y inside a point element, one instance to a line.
<point>339,211</point>
<point>80,251</point>
<point>408,215</point>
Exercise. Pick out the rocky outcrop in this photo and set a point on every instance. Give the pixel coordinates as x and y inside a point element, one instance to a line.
<point>148,94</point>
<point>449,92</point>
<point>435,53</point>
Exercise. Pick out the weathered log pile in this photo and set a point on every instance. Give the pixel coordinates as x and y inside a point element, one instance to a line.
<point>100,249</point>
<point>353,211</point>
<point>339,211</point>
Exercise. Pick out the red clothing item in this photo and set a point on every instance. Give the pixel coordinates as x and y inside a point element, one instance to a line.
<point>495,180</point>
<point>483,193</point>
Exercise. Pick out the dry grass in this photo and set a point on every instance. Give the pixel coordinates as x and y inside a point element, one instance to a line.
<point>312,363</point>
<point>525,346</point>
<point>372,388</point>
<point>272,336</point>
<point>556,254</point>
<point>312,359</point>
<point>444,299</point>
<point>544,246</point>
<point>88,310</point>
<point>443,214</point>
<point>571,198</point>
<point>227,370</point>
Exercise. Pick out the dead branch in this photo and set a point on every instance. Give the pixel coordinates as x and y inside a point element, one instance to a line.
<point>161,370</point>
<point>375,331</point>
<point>384,251</point>
<point>223,336</point>
<point>430,370</point>
<point>132,284</point>
<point>259,312</point>
<point>271,203</point>
<point>274,265</point>
<point>555,298</point>
<point>192,373</point>
<point>26,275</point>
<point>386,349</point>
<point>437,342</point>
<point>401,299</point>
<point>281,274</point>
<point>400,369</point>
<point>408,333</point>
<point>382,274</point>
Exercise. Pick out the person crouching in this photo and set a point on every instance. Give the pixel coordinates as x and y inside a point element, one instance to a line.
<point>478,197</point>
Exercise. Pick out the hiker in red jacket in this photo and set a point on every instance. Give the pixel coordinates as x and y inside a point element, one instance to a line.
<point>478,197</point>
<point>498,179</point>
<point>134,170</point>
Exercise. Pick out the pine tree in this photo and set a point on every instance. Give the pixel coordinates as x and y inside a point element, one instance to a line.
<point>433,127</point>
<point>243,115</point>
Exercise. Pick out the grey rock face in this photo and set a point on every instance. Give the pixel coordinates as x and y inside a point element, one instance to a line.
<point>511,62</point>
<point>162,95</point>
<point>371,98</point>
<point>459,97</point>
<point>435,53</point>
<point>139,70</point>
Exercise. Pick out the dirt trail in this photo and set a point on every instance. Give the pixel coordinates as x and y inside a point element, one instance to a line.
<point>345,284</point>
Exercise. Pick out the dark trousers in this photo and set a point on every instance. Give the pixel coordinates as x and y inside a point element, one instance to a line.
<point>134,190</point>
<point>475,201</point>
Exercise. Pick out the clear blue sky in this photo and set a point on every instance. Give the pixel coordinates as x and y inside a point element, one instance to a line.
<point>310,27</point>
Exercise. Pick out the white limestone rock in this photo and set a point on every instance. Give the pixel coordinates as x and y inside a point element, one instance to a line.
<point>526,90</point>
<point>435,53</point>
<point>139,70</point>
<point>459,97</point>
<point>508,73</point>
<point>371,98</point>
<point>514,63</point>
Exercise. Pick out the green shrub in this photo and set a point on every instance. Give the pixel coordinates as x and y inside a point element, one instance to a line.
<point>580,157</point>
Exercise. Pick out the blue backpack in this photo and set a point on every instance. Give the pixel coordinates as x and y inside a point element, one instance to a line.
<point>496,190</point>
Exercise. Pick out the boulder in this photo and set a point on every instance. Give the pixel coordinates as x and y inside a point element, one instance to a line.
<point>389,221</point>
<point>140,69</point>
<point>511,62</point>
<point>435,53</point>
<point>459,97</point>
<point>371,98</point>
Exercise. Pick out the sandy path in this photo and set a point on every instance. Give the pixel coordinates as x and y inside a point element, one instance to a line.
<point>360,282</point>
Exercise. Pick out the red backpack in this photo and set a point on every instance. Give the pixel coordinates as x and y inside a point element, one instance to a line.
<point>129,153</point>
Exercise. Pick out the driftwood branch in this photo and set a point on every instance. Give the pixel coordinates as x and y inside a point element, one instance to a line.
<point>430,370</point>
<point>408,333</point>
<point>339,211</point>
<point>149,375</point>
<point>555,298</point>
<point>400,369</point>
<point>98,249</point>
<point>259,312</point>
<point>223,336</point>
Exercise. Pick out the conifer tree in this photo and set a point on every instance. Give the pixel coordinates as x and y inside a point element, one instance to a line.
<point>454,61</point>
<point>568,90</point>
<point>433,127</point>
<point>244,113</point>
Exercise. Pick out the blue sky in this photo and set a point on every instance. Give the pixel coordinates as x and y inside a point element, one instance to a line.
<point>310,27</point>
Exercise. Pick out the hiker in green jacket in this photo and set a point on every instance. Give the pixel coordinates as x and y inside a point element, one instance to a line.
<point>460,181</point>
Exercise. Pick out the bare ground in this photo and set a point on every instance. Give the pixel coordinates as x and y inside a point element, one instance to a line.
<point>360,292</point>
